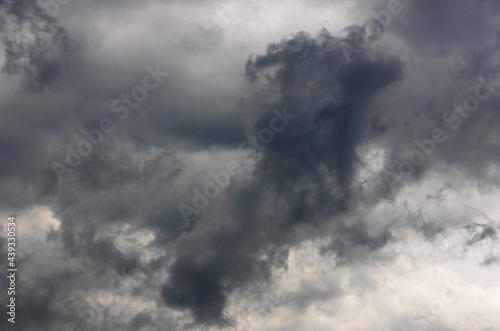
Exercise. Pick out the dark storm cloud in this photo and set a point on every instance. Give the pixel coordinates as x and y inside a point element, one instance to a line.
<point>41,297</point>
<point>329,99</point>
<point>331,112</point>
<point>38,124</point>
<point>34,44</point>
<point>447,24</point>
<point>104,191</point>
<point>140,320</point>
<point>35,49</point>
<point>356,237</point>
<point>458,39</point>
<point>303,180</point>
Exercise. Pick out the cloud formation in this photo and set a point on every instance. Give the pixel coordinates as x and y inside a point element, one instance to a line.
<point>308,235</point>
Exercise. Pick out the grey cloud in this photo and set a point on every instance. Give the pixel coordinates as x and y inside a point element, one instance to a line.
<point>35,45</point>
<point>490,260</point>
<point>482,232</point>
<point>304,183</point>
<point>325,133</point>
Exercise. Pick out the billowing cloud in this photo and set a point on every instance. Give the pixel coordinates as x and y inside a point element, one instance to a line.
<point>299,165</point>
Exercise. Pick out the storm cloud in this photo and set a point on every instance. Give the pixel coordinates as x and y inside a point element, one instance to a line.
<point>363,138</point>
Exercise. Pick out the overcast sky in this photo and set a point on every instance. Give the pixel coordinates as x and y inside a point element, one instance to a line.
<point>251,165</point>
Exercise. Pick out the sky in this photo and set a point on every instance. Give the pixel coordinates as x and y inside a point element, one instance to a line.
<point>251,165</point>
